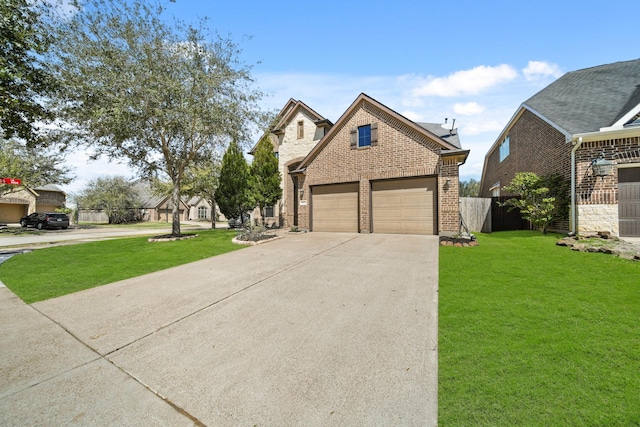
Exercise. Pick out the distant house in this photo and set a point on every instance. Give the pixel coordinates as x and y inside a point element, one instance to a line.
<point>298,129</point>
<point>584,126</point>
<point>158,208</point>
<point>25,201</point>
<point>200,210</point>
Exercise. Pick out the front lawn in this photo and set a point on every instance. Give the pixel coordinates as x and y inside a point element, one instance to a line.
<point>531,334</point>
<point>61,270</point>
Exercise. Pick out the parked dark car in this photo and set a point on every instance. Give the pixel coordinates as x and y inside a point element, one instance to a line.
<point>42,220</point>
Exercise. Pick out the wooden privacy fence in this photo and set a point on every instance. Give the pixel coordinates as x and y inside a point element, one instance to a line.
<point>486,215</point>
<point>476,213</point>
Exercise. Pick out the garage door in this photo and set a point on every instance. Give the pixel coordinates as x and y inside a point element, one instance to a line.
<point>629,201</point>
<point>404,206</point>
<point>11,213</point>
<point>335,207</point>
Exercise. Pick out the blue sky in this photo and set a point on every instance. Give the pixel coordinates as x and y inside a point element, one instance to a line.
<point>469,60</point>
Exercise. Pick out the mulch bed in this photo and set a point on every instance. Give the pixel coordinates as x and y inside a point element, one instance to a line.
<point>171,237</point>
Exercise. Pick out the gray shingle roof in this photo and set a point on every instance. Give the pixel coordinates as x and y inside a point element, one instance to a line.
<point>589,99</point>
<point>451,136</point>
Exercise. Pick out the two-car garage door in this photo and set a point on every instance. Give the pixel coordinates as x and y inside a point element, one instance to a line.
<point>399,206</point>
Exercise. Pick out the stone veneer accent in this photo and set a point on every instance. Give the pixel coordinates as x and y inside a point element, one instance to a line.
<point>595,218</point>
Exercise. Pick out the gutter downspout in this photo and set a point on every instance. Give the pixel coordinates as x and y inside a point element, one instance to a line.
<point>574,214</point>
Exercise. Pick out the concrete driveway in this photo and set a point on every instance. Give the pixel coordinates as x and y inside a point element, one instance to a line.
<point>313,329</point>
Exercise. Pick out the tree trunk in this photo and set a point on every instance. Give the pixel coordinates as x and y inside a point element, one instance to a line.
<point>213,213</point>
<point>175,199</point>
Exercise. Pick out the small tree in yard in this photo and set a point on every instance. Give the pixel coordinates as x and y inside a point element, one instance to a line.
<point>115,195</point>
<point>232,193</point>
<point>469,188</point>
<point>202,180</point>
<point>265,177</point>
<point>533,203</point>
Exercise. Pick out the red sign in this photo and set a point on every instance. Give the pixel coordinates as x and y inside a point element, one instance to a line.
<point>11,181</point>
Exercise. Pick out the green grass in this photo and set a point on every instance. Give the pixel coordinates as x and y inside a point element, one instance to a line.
<point>531,334</point>
<point>56,271</point>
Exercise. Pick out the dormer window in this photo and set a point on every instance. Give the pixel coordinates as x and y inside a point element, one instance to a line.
<point>300,129</point>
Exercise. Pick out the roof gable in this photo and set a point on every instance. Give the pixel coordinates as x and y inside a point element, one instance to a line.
<point>590,99</point>
<point>365,101</point>
<point>288,113</point>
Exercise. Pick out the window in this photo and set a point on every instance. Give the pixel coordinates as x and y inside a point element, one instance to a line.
<point>268,212</point>
<point>203,212</point>
<point>495,190</point>
<point>364,136</point>
<point>300,129</point>
<point>504,149</point>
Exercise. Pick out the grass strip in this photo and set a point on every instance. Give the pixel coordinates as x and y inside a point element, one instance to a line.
<point>52,272</point>
<point>531,334</point>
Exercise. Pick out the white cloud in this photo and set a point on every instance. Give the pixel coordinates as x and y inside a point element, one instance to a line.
<point>468,108</point>
<point>467,82</point>
<point>537,70</point>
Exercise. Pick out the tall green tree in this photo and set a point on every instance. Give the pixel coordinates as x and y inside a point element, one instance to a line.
<point>24,78</point>
<point>534,203</point>
<point>264,176</point>
<point>115,195</point>
<point>155,91</point>
<point>233,193</point>
<point>469,188</point>
<point>34,167</point>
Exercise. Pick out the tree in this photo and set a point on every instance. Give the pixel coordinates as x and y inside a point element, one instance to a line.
<point>232,193</point>
<point>24,78</point>
<point>156,92</point>
<point>469,188</point>
<point>115,195</point>
<point>264,181</point>
<point>34,167</point>
<point>533,202</point>
<point>202,180</point>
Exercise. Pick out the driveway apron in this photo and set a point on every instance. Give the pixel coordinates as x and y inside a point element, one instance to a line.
<point>314,329</point>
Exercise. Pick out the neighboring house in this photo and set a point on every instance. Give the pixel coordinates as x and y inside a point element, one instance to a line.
<point>586,116</point>
<point>25,201</point>
<point>158,208</point>
<point>200,210</point>
<point>376,171</point>
<point>297,130</point>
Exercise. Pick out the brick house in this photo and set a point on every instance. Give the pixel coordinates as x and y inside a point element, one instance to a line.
<point>297,130</point>
<point>377,171</point>
<point>26,201</point>
<point>584,118</point>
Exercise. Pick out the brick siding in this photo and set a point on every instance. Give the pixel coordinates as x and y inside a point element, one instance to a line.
<point>534,146</point>
<point>401,152</point>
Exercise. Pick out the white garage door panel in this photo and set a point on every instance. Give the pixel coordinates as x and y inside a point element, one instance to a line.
<point>335,208</point>
<point>404,206</point>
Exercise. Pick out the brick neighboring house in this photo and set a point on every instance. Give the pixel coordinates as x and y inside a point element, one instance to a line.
<point>25,201</point>
<point>377,171</point>
<point>297,130</point>
<point>583,116</point>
